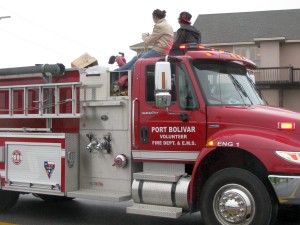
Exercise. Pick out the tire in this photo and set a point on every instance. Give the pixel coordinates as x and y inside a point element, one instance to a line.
<point>8,199</point>
<point>235,196</point>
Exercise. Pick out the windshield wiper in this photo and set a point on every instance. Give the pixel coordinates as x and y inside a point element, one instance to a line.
<point>257,91</point>
<point>239,87</point>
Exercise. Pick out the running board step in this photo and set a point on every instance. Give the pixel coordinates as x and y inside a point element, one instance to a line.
<point>155,210</point>
<point>157,177</point>
<point>93,194</point>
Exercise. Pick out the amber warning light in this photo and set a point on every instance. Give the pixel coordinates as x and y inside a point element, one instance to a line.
<point>210,144</point>
<point>286,126</point>
<point>196,47</point>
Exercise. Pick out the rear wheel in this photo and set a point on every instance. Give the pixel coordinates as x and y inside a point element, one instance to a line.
<point>235,196</point>
<point>8,199</point>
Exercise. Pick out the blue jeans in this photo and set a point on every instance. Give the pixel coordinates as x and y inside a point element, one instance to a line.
<point>130,65</point>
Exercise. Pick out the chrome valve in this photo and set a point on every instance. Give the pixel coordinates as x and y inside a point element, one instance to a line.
<point>101,144</point>
<point>92,145</point>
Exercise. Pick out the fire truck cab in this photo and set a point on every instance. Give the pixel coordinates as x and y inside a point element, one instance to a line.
<point>177,135</point>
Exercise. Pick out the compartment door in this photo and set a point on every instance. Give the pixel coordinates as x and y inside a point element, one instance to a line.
<point>33,164</point>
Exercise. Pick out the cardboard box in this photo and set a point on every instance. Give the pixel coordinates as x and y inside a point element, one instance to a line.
<point>84,61</point>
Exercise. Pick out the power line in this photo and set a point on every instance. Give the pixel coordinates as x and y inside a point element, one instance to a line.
<point>4,17</point>
<point>53,32</point>
<point>34,43</point>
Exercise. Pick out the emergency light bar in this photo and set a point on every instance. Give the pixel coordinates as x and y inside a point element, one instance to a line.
<point>199,47</point>
<point>194,46</point>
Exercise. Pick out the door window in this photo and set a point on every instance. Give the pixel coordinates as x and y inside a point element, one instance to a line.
<point>182,89</point>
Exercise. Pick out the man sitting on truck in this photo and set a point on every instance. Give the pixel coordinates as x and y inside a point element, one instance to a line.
<point>185,34</point>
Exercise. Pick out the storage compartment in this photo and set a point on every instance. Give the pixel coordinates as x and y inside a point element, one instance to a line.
<point>34,164</point>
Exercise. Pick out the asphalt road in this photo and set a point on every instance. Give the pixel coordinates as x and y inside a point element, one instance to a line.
<point>33,211</point>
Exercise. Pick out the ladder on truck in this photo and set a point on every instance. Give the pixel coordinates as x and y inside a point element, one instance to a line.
<point>46,108</point>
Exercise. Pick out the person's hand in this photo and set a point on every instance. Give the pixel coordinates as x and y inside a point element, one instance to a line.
<point>144,35</point>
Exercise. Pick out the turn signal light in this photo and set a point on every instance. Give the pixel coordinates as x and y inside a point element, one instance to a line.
<point>210,144</point>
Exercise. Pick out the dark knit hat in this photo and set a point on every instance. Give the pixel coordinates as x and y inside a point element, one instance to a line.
<point>112,59</point>
<point>185,16</point>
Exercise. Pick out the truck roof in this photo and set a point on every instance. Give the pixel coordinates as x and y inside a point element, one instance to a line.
<point>198,51</point>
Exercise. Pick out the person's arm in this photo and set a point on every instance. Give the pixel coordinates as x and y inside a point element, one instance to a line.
<point>152,38</point>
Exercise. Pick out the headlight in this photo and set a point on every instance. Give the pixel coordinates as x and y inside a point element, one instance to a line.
<point>289,156</point>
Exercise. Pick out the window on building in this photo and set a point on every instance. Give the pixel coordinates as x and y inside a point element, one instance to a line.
<point>250,52</point>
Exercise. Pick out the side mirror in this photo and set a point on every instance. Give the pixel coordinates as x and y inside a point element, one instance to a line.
<point>162,84</point>
<point>163,99</point>
<point>162,76</point>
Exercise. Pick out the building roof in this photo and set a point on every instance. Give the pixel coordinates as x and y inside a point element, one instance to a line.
<point>246,27</point>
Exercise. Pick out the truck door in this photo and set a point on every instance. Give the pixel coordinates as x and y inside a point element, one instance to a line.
<point>173,134</point>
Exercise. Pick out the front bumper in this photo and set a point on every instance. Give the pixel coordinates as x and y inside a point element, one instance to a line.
<point>287,188</point>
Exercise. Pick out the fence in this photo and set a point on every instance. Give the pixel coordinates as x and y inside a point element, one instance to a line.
<point>277,75</point>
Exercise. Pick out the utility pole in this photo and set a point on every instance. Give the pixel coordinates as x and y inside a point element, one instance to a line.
<point>4,17</point>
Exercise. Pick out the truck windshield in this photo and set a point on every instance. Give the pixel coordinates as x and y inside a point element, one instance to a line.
<point>226,83</point>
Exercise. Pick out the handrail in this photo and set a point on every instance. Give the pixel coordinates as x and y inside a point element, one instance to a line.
<point>41,85</point>
<point>132,124</point>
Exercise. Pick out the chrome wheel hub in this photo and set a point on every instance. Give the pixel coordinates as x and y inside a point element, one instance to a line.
<point>233,204</point>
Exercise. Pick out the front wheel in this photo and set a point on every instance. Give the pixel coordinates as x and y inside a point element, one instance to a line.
<point>235,196</point>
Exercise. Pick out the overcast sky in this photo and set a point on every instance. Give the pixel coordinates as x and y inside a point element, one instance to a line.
<point>59,31</point>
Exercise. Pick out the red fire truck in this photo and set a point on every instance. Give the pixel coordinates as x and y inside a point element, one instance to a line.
<point>180,134</point>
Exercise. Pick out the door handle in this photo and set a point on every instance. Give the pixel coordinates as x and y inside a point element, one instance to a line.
<point>144,135</point>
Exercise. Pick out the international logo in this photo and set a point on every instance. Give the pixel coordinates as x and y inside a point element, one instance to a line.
<point>49,167</point>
